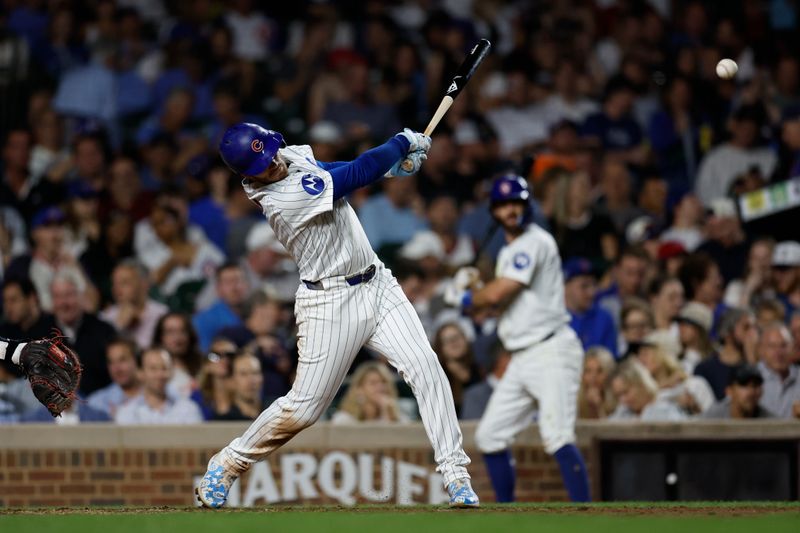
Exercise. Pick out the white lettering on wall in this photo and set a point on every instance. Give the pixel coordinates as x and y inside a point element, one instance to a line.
<point>297,471</point>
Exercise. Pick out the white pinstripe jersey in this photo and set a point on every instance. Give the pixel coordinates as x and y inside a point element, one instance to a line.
<point>532,259</point>
<point>324,236</point>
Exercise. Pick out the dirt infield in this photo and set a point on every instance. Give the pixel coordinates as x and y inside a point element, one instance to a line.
<point>717,509</point>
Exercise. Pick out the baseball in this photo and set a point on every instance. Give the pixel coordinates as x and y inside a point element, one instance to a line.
<point>727,68</point>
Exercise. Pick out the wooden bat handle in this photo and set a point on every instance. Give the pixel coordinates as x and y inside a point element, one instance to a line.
<point>444,105</point>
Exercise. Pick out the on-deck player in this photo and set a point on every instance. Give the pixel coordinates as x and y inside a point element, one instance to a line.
<point>534,326</point>
<point>347,299</point>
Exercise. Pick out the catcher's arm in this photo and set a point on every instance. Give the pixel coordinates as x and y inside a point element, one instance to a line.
<point>52,368</point>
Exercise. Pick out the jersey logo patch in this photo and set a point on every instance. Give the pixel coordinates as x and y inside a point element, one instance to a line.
<point>521,260</point>
<point>313,185</point>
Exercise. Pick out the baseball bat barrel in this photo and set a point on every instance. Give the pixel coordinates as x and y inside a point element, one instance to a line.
<point>457,84</point>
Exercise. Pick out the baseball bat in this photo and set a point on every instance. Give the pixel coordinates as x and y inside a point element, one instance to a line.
<point>457,84</point>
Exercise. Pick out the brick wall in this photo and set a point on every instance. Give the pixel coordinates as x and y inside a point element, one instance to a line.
<point>109,465</point>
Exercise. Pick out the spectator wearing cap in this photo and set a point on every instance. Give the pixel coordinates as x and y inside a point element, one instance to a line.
<point>726,241</point>
<point>781,378</point>
<point>687,218</point>
<point>742,396</point>
<point>476,397</point>
<point>593,324</point>
<point>738,336</point>
<point>756,280</point>
<point>723,163</point>
<point>665,294</point>
<point>133,314</point>
<point>228,310</point>
<point>670,257</point>
<point>786,274</point>
<point>694,325</point>
<point>628,277</point>
<point>644,231</point>
<point>267,265</point>
<point>48,255</point>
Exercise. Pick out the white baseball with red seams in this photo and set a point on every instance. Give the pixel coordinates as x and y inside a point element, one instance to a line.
<point>335,319</point>
<point>727,68</point>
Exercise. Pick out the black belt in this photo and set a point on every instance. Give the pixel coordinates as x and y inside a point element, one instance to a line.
<point>355,279</point>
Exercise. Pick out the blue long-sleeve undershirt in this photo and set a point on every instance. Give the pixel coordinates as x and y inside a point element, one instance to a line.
<point>366,168</point>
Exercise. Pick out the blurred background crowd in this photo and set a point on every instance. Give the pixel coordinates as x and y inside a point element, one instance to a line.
<point>120,226</point>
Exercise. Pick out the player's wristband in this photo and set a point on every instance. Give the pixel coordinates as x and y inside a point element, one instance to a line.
<point>466,300</point>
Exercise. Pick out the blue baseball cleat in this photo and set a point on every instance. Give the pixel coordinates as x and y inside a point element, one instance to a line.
<point>462,495</point>
<point>213,489</point>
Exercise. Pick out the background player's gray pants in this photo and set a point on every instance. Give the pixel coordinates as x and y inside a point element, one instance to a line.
<point>333,325</point>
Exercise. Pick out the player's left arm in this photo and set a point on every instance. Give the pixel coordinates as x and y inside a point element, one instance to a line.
<point>366,168</point>
<point>497,293</point>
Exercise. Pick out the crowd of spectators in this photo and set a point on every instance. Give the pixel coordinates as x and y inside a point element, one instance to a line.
<point>120,226</point>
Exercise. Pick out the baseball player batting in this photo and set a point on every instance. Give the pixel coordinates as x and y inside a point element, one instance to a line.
<point>534,326</point>
<point>347,299</point>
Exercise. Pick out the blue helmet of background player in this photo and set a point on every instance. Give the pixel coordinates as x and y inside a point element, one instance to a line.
<point>248,149</point>
<point>512,188</point>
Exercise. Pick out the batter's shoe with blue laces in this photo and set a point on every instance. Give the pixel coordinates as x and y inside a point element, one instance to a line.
<point>462,495</point>
<point>213,489</point>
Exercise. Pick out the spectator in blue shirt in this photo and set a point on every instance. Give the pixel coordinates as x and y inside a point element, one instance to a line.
<point>125,385</point>
<point>594,325</point>
<point>228,310</point>
<point>389,219</point>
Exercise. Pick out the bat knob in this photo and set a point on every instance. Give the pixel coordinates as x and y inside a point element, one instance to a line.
<point>407,165</point>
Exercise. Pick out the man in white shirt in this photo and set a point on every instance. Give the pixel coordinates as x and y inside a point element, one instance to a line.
<point>154,405</point>
<point>723,164</point>
<point>781,378</point>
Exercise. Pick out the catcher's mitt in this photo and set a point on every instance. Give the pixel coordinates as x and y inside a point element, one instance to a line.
<point>54,371</point>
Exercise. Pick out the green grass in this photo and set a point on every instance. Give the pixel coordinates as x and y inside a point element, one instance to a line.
<point>541,518</point>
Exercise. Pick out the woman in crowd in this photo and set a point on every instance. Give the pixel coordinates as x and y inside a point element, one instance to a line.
<point>637,394</point>
<point>595,399</point>
<point>457,359</point>
<point>691,393</point>
<point>756,281</point>
<point>637,322</point>
<point>174,332</point>
<point>666,299</point>
<point>371,397</point>
<point>213,393</point>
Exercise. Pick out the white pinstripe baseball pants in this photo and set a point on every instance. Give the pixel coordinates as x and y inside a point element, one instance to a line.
<point>333,325</point>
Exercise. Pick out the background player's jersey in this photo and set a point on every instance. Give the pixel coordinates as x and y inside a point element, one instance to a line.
<point>532,259</point>
<point>324,236</point>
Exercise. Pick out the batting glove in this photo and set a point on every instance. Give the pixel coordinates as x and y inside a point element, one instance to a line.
<point>467,278</point>
<point>417,141</point>
<point>408,165</point>
<point>457,297</point>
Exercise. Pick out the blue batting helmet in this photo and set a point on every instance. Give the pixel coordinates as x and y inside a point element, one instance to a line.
<point>248,149</point>
<point>508,188</point>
